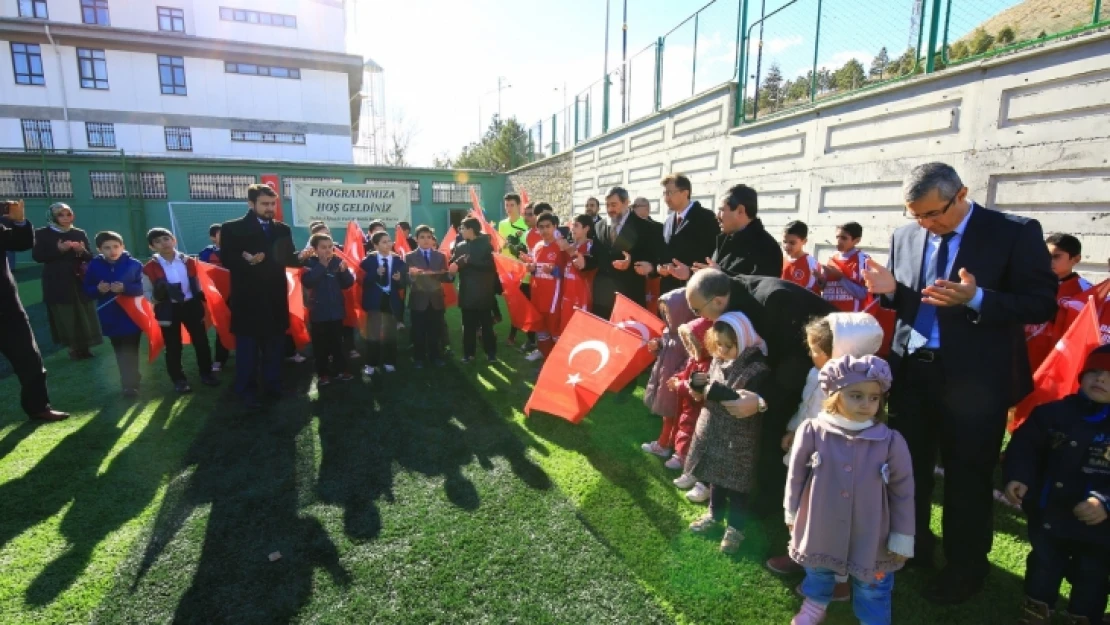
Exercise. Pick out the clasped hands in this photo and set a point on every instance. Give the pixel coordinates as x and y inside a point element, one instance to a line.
<point>880,281</point>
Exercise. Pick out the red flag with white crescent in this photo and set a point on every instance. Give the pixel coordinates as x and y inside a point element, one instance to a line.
<point>298,317</point>
<point>354,250</point>
<point>523,314</point>
<point>632,317</point>
<point>448,241</point>
<point>401,242</point>
<point>140,310</point>
<point>494,236</point>
<point>214,300</point>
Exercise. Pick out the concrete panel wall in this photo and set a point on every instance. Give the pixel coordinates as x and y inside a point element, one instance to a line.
<point>1029,133</point>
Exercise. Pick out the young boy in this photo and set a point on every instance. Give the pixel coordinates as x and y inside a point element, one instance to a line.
<point>1058,469</point>
<point>799,268</point>
<point>325,278</point>
<point>211,255</point>
<point>428,271</point>
<point>170,283</point>
<point>1066,252</point>
<point>110,275</point>
<point>576,285</point>
<point>547,264</point>
<point>844,287</point>
<point>386,275</point>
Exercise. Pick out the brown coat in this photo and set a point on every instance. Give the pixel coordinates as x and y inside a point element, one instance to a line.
<point>724,448</point>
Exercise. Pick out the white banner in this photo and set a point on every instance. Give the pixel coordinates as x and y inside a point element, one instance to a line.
<point>336,203</point>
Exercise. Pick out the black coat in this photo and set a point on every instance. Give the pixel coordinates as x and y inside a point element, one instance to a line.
<point>259,298</point>
<point>477,273</point>
<point>1063,458</point>
<point>59,275</point>
<point>13,238</point>
<point>693,242</point>
<point>749,252</point>
<point>643,242</point>
<point>983,354</point>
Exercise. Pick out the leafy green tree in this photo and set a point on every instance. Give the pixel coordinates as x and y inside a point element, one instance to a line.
<point>1006,36</point>
<point>771,91</point>
<point>879,64</point>
<point>981,41</point>
<point>958,50</point>
<point>505,145</point>
<point>906,62</point>
<point>850,76</point>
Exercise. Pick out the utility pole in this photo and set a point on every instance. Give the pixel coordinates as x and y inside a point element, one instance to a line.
<point>500,79</point>
<point>624,66</point>
<point>759,60</point>
<point>605,70</point>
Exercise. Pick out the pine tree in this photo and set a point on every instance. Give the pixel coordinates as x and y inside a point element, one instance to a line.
<point>771,91</point>
<point>850,76</point>
<point>879,64</point>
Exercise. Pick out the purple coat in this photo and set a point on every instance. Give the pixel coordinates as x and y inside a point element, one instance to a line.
<point>671,359</point>
<point>850,495</point>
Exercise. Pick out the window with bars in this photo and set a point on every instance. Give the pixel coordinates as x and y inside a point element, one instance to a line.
<point>257,136</point>
<point>37,134</point>
<point>219,186</point>
<point>93,68</point>
<point>95,12</point>
<point>257,17</point>
<point>179,139</point>
<point>414,185</point>
<point>27,63</point>
<point>149,185</point>
<point>33,8</point>
<point>453,193</point>
<point>171,75</point>
<point>23,183</point>
<point>100,135</point>
<point>287,182</point>
<point>262,70</point>
<point>171,20</point>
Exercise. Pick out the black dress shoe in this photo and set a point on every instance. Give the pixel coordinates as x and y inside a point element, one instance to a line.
<point>952,588</point>
<point>181,386</point>
<point>210,380</point>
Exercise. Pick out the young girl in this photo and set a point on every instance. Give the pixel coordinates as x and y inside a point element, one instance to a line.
<point>693,338</point>
<point>670,358</point>
<point>723,452</point>
<point>849,494</point>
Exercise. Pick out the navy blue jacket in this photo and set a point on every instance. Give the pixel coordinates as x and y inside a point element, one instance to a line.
<point>372,292</point>
<point>1062,453</point>
<point>324,287</point>
<point>113,320</point>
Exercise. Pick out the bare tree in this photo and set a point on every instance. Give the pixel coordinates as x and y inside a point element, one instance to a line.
<point>399,141</point>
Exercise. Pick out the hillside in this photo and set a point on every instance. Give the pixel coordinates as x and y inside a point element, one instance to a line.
<point>1031,17</point>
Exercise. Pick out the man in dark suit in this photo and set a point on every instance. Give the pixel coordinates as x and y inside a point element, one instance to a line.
<point>17,341</point>
<point>256,249</point>
<point>626,245</point>
<point>473,260</point>
<point>964,280</point>
<point>689,232</point>
<point>593,209</point>
<point>428,272</point>
<point>744,247</point>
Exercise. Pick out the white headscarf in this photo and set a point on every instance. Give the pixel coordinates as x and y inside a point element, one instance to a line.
<point>746,335</point>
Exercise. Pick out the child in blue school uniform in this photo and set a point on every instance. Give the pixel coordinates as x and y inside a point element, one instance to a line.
<point>110,275</point>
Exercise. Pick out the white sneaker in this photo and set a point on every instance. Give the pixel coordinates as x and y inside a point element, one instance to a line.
<point>216,367</point>
<point>655,449</point>
<point>400,326</point>
<point>354,354</point>
<point>674,463</point>
<point>389,368</point>
<point>367,370</point>
<point>685,481</point>
<point>698,494</point>
<point>534,356</point>
<point>297,358</point>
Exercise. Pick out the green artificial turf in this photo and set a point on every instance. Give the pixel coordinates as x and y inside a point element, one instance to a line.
<point>424,498</point>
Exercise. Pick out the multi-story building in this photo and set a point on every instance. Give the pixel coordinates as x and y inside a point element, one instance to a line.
<point>212,78</point>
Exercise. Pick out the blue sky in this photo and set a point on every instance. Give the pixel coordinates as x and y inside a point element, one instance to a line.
<point>442,58</point>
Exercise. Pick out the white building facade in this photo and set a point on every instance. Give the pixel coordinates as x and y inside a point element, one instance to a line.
<point>208,78</point>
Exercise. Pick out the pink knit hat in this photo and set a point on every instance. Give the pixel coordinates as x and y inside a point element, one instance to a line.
<point>839,373</point>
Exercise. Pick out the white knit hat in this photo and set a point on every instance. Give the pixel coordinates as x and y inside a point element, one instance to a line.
<point>746,335</point>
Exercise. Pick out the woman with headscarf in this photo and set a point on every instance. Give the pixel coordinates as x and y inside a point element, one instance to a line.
<point>64,253</point>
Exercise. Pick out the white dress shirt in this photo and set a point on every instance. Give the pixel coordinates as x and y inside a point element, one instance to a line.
<point>176,273</point>
<point>669,226</point>
<point>932,245</point>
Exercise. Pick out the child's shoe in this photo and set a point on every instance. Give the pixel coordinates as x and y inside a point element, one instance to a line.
<point>297,358</point>
<point>344,377</point>
<point>389,368</point>
<point>534,356</point>
<point>1035,612</point>
<point>323,381</point>
<point>181,386</point>
<point>675,463</point>
<point>209,380</point>
<point>842,591</point>
<point>810,614</point>
<point>704,523</point>
<point>367,370</point>
<point>685,481</point>
<point>216,367</point>
<point>784,565</point>
<point>731,542</point>
<point>698,494</point>
<point>655,449</point>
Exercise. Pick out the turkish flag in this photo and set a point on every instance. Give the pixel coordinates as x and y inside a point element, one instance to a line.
<point>298,318</point>
<point>633,318</point>
<point>214,300</point>
<point>576,296</point>
<point>886,318</point>
<point>523,314</point>
<point>1058,375</point>
<point>494,236</point>
<point>1040,338</point>
<point>142,313</point>
<point>450,295</point>
<point>591,354</point>
<point>448,241</point>
<point>523,197</point>
<point>401,242</point>
<point>354,250</point>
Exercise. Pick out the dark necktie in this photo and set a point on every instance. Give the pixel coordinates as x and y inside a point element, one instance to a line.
<point>428,258</point>
<point>384,278</point>
<point>927,313</point>
<point>266,228</point>
<point>677,222</point>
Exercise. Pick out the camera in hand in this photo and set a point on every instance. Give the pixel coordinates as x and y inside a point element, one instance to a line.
<point>699,380</point>
<point>516,244</point>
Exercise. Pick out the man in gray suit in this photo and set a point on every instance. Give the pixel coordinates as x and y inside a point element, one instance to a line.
<point>428,271</point>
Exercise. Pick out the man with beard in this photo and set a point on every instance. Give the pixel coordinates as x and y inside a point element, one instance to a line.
<point>625,244</point>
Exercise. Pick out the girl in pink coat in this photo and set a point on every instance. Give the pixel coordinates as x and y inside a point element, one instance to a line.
<point>849,494</point>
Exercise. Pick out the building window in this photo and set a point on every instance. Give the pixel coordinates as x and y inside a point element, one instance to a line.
<point>27,62</point>
<point>93,68</point>
<point>100,135</point>
<point>257,136</point>
<point>30,183</point>
<point>171,73</point>
<point>95,12</point>
<point>171,20</point>
<point>414,193</point>
<point>453,193</point>
<point>219,186</point>
<point>150,185</point>
<point>262,70</point>
<point>37,134</point>
<point>33,8</point>
<point>179,139</point>
<point>287,182</point>
<point>257,17</point>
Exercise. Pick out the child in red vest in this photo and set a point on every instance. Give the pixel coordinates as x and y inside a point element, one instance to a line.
<point>576,289</point>
<point>844,287</point>
<point>689,408</point>
<point>799,267</point>
<point>547,264</point>
<point>1066,252</point>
